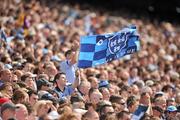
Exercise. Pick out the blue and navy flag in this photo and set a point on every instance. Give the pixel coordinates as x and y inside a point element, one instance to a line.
<point>100,49</point>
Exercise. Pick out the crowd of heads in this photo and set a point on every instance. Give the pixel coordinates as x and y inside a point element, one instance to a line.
<point>37,36</point>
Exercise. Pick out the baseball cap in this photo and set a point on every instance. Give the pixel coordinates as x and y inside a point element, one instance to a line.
<point>160,93</point>
<point>47,96</point>
<point>42,82</point>
<point>103,83</point>
<point>8,105</point>
<point>171,108</point>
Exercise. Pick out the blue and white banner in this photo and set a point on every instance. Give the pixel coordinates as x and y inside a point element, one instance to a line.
<point>100,49</point>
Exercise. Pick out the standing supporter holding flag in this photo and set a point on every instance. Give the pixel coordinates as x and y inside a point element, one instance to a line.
<point>69,66</point>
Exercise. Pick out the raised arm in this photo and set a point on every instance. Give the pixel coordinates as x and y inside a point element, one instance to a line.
<point>78,79</point>
<point>75,52</point>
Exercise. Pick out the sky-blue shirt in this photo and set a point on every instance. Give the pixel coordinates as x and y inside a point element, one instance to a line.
<point>69,70</point>
<point>68,90</point>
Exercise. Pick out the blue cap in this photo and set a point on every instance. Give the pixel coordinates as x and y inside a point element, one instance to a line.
<point>103,83</point>
<point>171,109</point>
<point>47,96</point>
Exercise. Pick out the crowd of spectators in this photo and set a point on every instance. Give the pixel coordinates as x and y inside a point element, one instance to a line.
<point>39,78</point>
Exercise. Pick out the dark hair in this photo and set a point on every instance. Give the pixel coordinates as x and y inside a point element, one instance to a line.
<point>30,92</point>
<point>166,87</point>
<point>68,52</point>
<point>76,98</point>
<point>57,76</point>
<point>130,101</point>
<point>87,105</point>
<point>157,108</point>
<point>102,109</point>
<point>115,98</point>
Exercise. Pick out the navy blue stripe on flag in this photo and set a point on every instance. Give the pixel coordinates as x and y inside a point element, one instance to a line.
<point>84,63</point>
<point>100,55</point>
<point>87,48</point>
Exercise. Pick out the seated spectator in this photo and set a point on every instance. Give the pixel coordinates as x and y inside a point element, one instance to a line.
<point>8,111</point>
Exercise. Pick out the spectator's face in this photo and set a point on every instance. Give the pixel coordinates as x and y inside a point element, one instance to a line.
<point>71,55</point>
<point>51,71</point>
<point>22,113</point>
<point>29,82</point>
<point>124,76</point>
<point>125,117</point>
<point>104,75</point>
<point>43,109</point>
<point>62,80</point>
<point>18,73</point>
<point>108,109</point>
<point>125,94</point>
<point>33,99</point>
<point>178,99</point>
<point>9,90</point>
<point>156,113</point>
<point>8,113</point>
<point>96,97</point>
<point>170,93</point>
<point>171,102</point>
<point>171,115</point>
<point>94,83</point>
<point>6,76</point>
<point>84,88</point>
<point>106,94</point>
<point>14,78</point>
<point>122,104</point>
<point>112,75</point>
<point>162,104</point>
<point>95,116</point>
<point>134,72</point>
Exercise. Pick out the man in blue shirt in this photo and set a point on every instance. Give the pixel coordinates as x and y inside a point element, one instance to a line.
<point>62,89</point>
<point>69,66</point>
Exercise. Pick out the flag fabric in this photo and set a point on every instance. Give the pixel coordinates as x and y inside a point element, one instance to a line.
<point>99,49</point>
<point>140,111</point>
<point>2,35</point>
